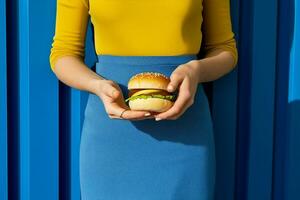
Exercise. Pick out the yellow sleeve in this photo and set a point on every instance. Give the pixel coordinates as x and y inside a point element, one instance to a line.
<point>217,27</point>
<point>70,29</point>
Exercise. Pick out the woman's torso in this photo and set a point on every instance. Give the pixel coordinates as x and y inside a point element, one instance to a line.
<point>139,27</point>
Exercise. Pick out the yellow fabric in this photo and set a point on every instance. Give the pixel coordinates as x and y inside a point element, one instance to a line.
<point>143,27</point>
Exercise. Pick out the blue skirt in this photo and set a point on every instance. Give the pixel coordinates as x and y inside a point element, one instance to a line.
<point>146,159</point>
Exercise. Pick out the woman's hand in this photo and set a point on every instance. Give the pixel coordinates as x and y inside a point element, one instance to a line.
<point>186,78</point>
<point>111,95</point>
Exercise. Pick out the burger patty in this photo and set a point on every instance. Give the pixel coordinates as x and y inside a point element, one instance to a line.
<point>148,91</point>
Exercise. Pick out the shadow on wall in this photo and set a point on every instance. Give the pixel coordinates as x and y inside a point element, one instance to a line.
<point>286,154</point>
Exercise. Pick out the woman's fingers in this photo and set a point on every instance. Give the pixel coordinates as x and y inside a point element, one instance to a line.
<point>184,100</point>
<point>112,97</point>
<point>175,80</point>
<point>116,109</point>
<point>131,114</point>
<point>132,119</point>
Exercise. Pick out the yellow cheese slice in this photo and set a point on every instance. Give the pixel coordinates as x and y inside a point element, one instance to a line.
<point>145,92</point>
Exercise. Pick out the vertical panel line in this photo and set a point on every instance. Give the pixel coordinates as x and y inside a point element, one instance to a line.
<point>13,98</point>
<point>64,142</point>
<point>244,91</point>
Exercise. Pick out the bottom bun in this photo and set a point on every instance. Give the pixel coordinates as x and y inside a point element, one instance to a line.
<point>150,104</point>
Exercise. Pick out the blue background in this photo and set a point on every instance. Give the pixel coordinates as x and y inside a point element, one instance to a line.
<point>256,108</point>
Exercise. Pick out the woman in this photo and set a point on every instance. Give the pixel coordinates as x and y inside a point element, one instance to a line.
<point>139,155</point>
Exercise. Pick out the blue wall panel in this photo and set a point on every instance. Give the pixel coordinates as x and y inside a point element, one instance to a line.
<point>24,102</point>
<point>262,99</point>
<point>287,141</point>
<point>225,92</point>
<point>38,104</point>
<point>3,104</point>
<point>255,108</point>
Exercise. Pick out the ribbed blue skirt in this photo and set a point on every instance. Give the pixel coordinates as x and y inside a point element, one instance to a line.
<point>146,159</point>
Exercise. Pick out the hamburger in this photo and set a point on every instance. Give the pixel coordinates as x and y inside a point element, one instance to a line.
<point>148,92</point>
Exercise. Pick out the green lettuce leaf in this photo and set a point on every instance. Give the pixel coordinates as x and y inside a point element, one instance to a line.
<point>146,96</point>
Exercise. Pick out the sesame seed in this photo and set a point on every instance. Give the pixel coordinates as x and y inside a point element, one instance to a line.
<point>156,74</point>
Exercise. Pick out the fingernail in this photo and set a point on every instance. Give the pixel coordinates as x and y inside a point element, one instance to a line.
<point>147,114</point>
<point>170,87</point>
<point>157,118</point>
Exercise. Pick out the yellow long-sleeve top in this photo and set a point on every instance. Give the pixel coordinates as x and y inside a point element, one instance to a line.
<point>143,27</point>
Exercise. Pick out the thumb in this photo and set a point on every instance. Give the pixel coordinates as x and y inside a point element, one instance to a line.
<point>175,80</point>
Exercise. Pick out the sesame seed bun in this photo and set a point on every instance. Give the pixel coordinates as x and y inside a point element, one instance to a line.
<point>148,80</point>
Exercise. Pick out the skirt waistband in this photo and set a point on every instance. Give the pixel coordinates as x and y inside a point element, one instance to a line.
<point>150,60</point>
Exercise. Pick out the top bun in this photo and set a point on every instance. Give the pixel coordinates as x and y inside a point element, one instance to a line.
<point>148,80</point>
